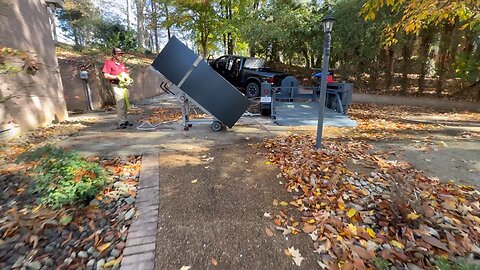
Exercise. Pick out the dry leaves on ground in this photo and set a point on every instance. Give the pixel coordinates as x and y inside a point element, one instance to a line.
<point>389,210</point>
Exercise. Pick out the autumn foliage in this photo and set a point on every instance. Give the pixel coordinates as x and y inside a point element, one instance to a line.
<point>362,208</point>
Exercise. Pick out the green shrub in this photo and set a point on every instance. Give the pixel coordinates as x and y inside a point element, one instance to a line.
<point>63,177</point>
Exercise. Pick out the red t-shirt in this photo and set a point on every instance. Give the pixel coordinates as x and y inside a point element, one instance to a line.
<point>113,68</point>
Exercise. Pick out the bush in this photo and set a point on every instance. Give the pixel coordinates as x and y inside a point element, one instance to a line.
<point>63,177</point>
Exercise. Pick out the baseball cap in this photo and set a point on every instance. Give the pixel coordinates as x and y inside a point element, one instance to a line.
<point>117,51</point>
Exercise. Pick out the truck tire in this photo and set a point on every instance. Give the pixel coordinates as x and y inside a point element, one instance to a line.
<point>252,90</point>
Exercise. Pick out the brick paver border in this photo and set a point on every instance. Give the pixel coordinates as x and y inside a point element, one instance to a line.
<point>139,252</point>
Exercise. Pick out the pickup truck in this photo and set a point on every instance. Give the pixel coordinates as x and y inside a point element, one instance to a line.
<point>246,73</point>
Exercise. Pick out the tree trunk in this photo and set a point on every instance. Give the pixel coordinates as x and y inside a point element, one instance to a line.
<point>423,58</point>
<point>307,59</point>
<point>230,41</point>
<point>155,24</point>
<point>128,15</point>
<point>167,17</point>
<point>251,44</point>
<point>390,66</point>
<point>406,54</point>
<point>140,23</point>
<point>442,57</point>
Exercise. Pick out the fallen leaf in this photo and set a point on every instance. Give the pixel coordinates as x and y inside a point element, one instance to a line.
<point>91,225</point>
<point>371,232</point>
<point>434,242</point>
<point>362,253</point>
<point>322,265</point>
<point>214,261</point>
<point>34,239</point>
<point>397,244</point>
<point>194,181</point>
<point>283,203</point>
<point>295,254</point>
<point>351,212</point>
<point>103,247</point>
<point>341,205</point>
<point>358,264</point>
<point>413,216</point>
<point>314,236</point>
<point>268,232</point>
<point>298,260</point>
<point>113,262</point>
<point>275,202</point>
<point>307,228</point>
<point>185,267</point>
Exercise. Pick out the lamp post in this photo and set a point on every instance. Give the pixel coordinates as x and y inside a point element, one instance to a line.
<point>327,27</point>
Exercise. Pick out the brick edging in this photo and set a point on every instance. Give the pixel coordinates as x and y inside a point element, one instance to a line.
<point>139,252</point>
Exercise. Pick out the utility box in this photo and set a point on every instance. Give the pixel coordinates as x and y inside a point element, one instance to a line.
<point>54,3</point>
<point>84,75</point>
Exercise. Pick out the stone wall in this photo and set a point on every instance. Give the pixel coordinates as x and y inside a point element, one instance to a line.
<point>146,84</point>
<point>37,99</point>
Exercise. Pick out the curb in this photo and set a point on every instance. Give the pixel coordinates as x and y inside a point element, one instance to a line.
<point>139,252</point>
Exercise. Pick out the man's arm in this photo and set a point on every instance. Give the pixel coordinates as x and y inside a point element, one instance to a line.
<point>109,76</point>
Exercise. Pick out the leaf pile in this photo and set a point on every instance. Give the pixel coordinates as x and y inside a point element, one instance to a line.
<point>359,206</point>
<point>162,115</point>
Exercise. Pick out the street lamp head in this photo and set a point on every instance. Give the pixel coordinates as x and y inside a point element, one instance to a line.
<point>328,23</point>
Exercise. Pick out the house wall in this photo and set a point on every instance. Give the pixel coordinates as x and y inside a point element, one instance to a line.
<point>38,99</point>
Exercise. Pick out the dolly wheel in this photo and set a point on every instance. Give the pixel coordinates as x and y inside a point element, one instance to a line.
<point>217,126</point>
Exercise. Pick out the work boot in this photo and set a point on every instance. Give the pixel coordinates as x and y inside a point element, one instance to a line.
<point>122,126</point>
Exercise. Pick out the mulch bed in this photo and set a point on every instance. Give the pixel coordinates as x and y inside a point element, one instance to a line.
<point>86,236</point>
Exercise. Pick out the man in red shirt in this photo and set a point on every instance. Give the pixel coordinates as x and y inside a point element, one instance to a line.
<point>112,68</point>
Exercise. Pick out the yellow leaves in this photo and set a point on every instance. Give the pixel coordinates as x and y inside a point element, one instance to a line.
<point>268,163</point>
<point>397,244</point>
<point>194,181</point>
<point>284,203</point>
<point>351,212</point>
<point>113,262</point>
<point>103,247</point>
<point>310,221</point>
<point>413,216</point>
<point>371,232</point>
<point>352,229</point>
<point>341,205</point>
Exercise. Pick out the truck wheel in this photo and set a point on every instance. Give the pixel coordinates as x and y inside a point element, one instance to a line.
<point>252,90</point>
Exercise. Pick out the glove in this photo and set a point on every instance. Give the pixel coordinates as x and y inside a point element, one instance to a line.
<point>124,80</point>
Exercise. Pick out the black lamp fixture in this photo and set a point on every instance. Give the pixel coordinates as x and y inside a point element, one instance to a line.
<point>328,23</point>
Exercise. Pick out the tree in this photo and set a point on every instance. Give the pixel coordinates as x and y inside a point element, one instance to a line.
<point>113,34</point>
<point>417,15</point>
<point>79,19</point>
<point>140,6</point>
<point>201,19</point>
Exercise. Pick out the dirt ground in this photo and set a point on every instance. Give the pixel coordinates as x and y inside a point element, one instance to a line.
<point>221,214</point>
<point>447,155</point>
